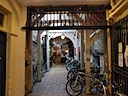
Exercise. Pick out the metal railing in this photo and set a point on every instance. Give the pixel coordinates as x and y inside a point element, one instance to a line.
<point>119,34</point>
<point>120,75</point>
<point>65,17</point>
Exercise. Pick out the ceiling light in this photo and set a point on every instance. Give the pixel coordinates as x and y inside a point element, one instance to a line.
<point>62,36</point>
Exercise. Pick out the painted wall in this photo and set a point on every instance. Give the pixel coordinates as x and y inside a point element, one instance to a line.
<point>15,18</point>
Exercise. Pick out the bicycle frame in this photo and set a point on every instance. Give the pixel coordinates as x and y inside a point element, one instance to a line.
<point>81,78</point>
<point>78,76</point>
<point>120,94</point>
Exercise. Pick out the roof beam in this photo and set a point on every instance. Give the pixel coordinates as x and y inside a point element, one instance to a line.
<point>96,37</point>
<point>65,27</point>
<point>37,19</point>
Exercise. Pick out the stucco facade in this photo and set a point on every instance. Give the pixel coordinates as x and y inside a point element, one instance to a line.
<point>14,19</point>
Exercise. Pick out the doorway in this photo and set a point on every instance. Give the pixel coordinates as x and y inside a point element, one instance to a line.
<point>56,18</point>
<point>2,63</point>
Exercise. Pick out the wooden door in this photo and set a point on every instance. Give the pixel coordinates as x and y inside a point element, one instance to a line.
<point>2,63</point>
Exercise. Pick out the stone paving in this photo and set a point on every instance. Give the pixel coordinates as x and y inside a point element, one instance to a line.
<point>53,83</point>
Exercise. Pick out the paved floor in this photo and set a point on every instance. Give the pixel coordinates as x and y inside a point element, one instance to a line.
<point>53,83</point>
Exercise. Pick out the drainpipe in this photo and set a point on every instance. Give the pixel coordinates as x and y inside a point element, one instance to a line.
<point>118,10</point>
<point>48,54</point>
<point>38,56</point>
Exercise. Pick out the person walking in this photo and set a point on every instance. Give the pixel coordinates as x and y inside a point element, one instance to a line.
<point>54,57</point>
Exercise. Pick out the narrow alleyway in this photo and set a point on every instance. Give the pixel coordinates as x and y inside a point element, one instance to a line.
<point>53,83</point>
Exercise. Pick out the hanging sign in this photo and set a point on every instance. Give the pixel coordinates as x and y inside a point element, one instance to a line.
<point>120,48</point>
<point>126,56</point>
<point>120,59</point>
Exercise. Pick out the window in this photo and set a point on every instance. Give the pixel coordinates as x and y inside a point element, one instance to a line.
<point>1,19</point>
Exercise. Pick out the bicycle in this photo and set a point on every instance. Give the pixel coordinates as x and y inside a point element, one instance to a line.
<point>35,73</point>
<point>71,64</point>
<point>75,85</point>
<point>73,71</point>
<point>116,89</point>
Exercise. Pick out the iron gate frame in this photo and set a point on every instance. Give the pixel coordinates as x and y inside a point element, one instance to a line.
<point>120,34</point>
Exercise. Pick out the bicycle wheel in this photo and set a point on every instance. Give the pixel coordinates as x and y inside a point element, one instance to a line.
<point>35,75</point>
<point>72,73</point>
<point>99,88</point>
<point>103,90</point>
<point>74,89</point>
<point>107,92</point>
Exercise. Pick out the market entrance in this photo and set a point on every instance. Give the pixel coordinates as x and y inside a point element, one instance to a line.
<point>82,18</point>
